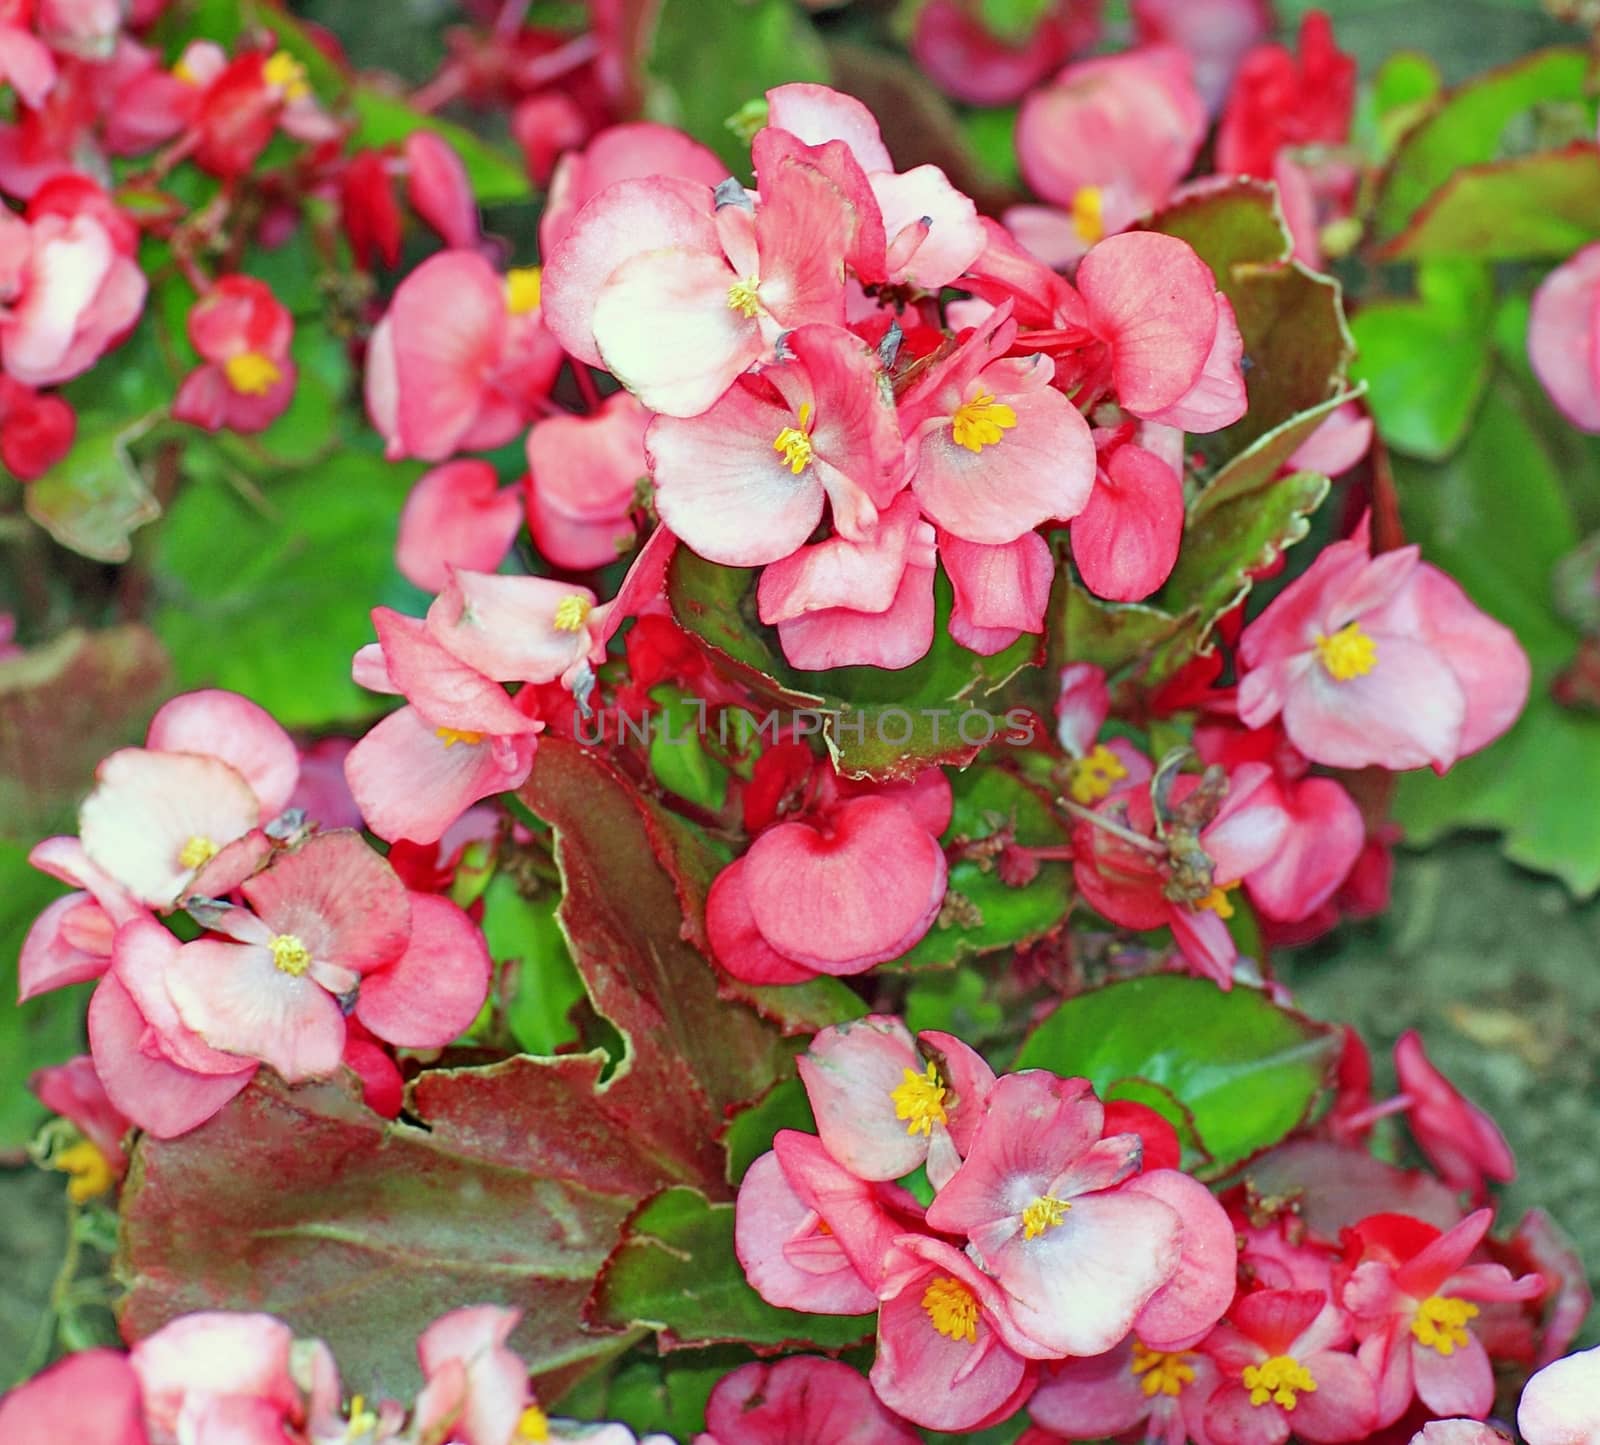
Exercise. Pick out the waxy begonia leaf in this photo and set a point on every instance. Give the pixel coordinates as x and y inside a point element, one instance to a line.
<point>1543,205</point>
<point>45,1030</point>
<point>1265,457</point>
<point>383,119</point>
<point>305,1203</point>
<point>875,722</point>
<point>1084,628</point>
<point>1246,1070</point>
<point>697,76</point>
<point>538,985</point>
<point>1539,782</point>
<point>1296,346</point>
<point>1426,362</point>
<point>63,707</point>
<point>675,1272</point>
<point>1470,126</point>
<point>247,599</point>
<point>988,800</point>
<point>749,1133</point>
<point>96,497</point>
<point>678,757</point>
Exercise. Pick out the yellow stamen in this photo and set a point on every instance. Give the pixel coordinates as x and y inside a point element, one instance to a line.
<point>1441,1323</point>
<point>91,1174</point>
<point>251,374</point>
<point>524,289</point>
<point>290,955</point>
<point>921,1100</point>
<point>283,72</point>
<point>1094,775</point>
<point>184,71</point>
<point>1165,1373</point>
<point>795,442</point>
<point>1277,1380</point>
<point>952,1309</point>
<point>451,736</point>
<point>197,851</point>
<point>980,422</point>
<point>1044,1213</point>
<point>1088,214</point>
<point>1348,653</point>
<point>362,1420</point>
<point>742,297</point>
<point>534,1425</point>
<point>572,612</point>
<point>1218,902</point>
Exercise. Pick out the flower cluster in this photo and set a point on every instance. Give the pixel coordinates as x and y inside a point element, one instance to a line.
<point>216,1376</point>
<point>1025,1243</point>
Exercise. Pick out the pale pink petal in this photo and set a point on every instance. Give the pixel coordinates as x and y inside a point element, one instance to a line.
<point>160,1097</point>
<point>430,994</point>
<point>816,114</point>
<point>1217,399</point>
<point>735,940</point>
<point>1185,1308</point>
<point>214,1353</point>
<point>863,576</point>
<point>508,628</point>
<point>1325,836</point>
<point>1000,592</point>
<point>954,240</point>
<point>439,190</point>
<point>850,1073</point>
<point>146,958</point>
<point>1561,1404</point>
<point>457,515</point>
<point>1562,330</point>
<point>148,806</point>
<point>447,691</point>
<point>49,959</point>
<point>892,639</point>
<point>86,1399</point>
<point>224,725</point>
<point>1125,540</point>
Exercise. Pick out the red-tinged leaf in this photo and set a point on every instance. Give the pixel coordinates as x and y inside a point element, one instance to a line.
<point>304,1203</point>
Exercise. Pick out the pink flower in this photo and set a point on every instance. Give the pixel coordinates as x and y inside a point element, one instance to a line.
<point>477,1389</point>
<point>459,359</point>
<point>1459,1432</point>
<point>950,1355</point>
<point>1413,1297</point>
<point>964,59</point>
<point>1125,540</point>
<point>183,814</point>
<point>994,449</point>
<point>74,1091</point>
<point>801,1400</point>
<point>90,1399</point>
<point>1564,337</point>
<point>856,883</point>
<point>1037,1199</point>
<point>26,63</point>
<point>457,515</point>
<point>811,1235</point>
<point>70,942</point>
<point>71,291</point>
<point>460,739</point>
<point>1108,139</point>
<point>744,482</point>
<point>620,153</point>
<point>1165,1391</point>
<point>214,1375</point>
<point>1282,1369</point>
<point>882,1107</point>
<point>1561,1404</point>
<point>85,28</point>
<point>1461,1142</point>
<point>1337,445</point>
<point>1380,661</point>
<point>583,482</point>
<point>678,292</point>
<point>247,379</point>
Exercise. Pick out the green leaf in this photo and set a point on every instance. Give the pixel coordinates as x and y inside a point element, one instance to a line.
<point>874,722</point>
<point>1295,342</point>
<point>987,799</point>
<point>708,57</point>
<point>1543,205</point>
<point>1111,635</point>
<point>1247,1070</point>
<point>678,757</point>
<point>248,600</point>
<point>539,985</point>
<point>95,498</point>
<point>1468,126</point>
<point>1426,362</point>
<point>676,1272</point>
<point>383,119</point>
<point>1266,457</point>
<point>45,1030</point>
<point>749,1133</point>
<point>1502,543</point>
